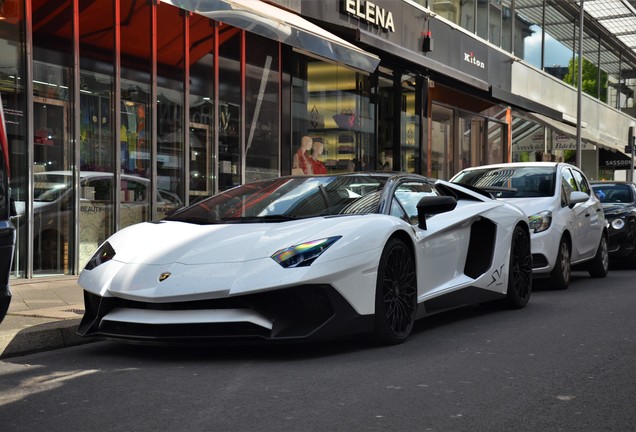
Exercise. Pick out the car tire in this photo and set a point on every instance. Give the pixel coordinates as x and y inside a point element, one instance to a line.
<point>396,294</point>
<point>599,266</point>
<point>520,270</point>
<point>562,271</point>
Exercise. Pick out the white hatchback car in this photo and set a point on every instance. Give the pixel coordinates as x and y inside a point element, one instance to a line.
<point>567,223</point>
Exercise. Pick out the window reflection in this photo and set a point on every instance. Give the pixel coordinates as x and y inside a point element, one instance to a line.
<point>201,133</point>
<point>52,108</point>
<point>171,131</point>
<point>262,113</point>
<point>230,136</point>
<point>97,127</point>
<point>332,106</point>
<point>442,127</point>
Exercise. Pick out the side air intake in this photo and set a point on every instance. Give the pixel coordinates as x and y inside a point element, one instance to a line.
<point>483,234</point>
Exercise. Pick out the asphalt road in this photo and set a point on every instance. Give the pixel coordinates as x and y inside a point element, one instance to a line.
<point>565,363</point>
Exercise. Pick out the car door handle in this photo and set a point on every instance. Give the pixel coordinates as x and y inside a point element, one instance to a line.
<point>587,215</point>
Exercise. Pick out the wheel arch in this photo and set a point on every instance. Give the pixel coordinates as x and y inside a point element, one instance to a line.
<point>406,239</point>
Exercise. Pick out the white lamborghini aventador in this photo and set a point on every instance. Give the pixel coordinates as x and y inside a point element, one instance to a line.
<point>308,257</point>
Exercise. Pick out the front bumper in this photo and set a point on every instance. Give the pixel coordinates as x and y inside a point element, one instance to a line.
<point>302,312</point>
<point>621,243</point>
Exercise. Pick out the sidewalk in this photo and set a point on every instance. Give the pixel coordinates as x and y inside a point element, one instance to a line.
<point>43,315</point>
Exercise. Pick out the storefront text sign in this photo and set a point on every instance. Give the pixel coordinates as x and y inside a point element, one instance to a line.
<point>472,59</point>
<point>371,13</point>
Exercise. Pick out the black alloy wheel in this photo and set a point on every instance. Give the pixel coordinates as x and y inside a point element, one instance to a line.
<point>520,274</point>
<point>396,294</point>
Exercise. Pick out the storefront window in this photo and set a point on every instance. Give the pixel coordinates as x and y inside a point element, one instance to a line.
<point>52,150</point>
<point>471,142</point>
<point>332,107</point>
<point>97,152</point>
<point>386,103</point>
<point>262,109</point>
<point>496,139</point>
<point>135,88</point>
<point>528,140</point>
<point>12,84</point>
<point>135,105</point>
<point>171,130</point>
<point>441,145</point>
<point>409,126</point>
<point>230,107</point>
<point>200,140</point>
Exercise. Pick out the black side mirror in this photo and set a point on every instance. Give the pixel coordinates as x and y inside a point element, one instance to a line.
<point>432,205</point>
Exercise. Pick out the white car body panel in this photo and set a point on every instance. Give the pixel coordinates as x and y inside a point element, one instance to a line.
<point>225,260</point>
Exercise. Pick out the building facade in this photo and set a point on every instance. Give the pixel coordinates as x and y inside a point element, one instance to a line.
<point>121,111</point>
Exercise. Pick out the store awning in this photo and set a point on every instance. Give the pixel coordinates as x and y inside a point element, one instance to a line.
<point>613,160</point>
<point>570,131</point>
<point>282,26</point>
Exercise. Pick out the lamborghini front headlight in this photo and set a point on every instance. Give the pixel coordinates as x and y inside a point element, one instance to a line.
<point>303,254</point>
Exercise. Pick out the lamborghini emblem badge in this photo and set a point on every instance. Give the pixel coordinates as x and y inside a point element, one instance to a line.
<point>163,276</point>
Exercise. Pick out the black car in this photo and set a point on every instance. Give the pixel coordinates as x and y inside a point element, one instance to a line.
<point>7,231</point>
<point>618,199</point>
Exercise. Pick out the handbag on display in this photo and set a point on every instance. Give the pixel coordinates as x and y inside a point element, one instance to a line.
<point>345,138</point>
<point>345,120</point>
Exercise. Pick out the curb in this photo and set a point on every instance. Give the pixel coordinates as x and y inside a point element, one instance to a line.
<point>41,337</point>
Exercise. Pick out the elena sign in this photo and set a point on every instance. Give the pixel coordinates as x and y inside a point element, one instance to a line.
<point>370,12</point>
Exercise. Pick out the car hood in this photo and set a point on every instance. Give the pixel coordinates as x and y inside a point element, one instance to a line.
<point>615,209</point>
<point>211,261</point>
<point>171,242</point>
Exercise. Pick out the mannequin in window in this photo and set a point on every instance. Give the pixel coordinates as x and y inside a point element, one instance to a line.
<point>302,161</point>
<point>316,164</point>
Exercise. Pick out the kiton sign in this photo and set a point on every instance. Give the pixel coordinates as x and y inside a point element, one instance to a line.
<point>370,12</point>
<point>470,58</point>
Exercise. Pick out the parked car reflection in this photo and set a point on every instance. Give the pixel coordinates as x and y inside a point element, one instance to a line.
<point>52,213</point>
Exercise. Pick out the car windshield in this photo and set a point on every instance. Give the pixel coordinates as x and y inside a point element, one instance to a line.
<point>512,181</point>
<point>612,193</point>
<point>282,199</point>
<point>46,187</point>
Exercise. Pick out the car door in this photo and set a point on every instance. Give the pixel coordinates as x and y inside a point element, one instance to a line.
<point>440,250</point>
<point>587,217</point>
